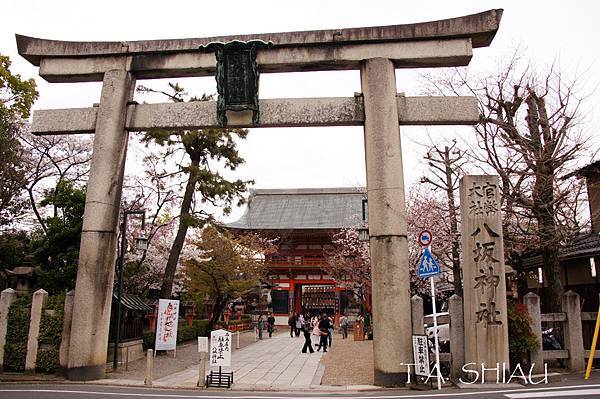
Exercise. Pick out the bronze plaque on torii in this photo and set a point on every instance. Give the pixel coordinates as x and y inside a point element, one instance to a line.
<point>237,77</point>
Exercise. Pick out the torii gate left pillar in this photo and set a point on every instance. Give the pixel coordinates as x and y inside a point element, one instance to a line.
<point>95,272</point>
<point>375,51</point>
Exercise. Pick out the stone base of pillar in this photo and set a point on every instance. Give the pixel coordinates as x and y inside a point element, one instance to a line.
<point>86,373</point>
<point>383,379</point>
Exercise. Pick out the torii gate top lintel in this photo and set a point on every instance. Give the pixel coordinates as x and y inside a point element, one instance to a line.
<point>170,58</point>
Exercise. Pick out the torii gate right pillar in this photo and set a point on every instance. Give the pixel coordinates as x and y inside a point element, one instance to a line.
<point>392,349</point>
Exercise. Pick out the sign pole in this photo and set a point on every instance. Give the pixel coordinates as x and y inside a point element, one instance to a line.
<point>428,267</point>
<point>593,348</point>
<point>435,334</point>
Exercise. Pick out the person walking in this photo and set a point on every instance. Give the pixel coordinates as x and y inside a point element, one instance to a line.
<point>292,324</point>
<point>324,327</point>
<point>316,333</point>
<point>260,325</point>
<point>299,324</point>
<point>271,324</point>
<point>307,331</point>
<point>330,330</point>
<point>344,326</point>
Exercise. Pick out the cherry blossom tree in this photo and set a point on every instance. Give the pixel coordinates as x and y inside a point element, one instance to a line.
<point>530,134</point>
<point>225,267</point>
<point>348,259</point>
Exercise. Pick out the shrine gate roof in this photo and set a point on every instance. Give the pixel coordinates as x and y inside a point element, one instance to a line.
<point>302,208</point>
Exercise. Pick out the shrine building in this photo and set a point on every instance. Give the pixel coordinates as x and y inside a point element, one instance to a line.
<point>304,221</point>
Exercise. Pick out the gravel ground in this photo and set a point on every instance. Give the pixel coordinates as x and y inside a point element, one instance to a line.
<point>166,364</point>
<point>346,361</point>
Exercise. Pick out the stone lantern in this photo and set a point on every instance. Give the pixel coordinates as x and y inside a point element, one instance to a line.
<point>22,278</point>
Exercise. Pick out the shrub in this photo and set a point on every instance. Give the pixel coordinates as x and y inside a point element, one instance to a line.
<point>15,349</point>
<point>148,340</point>
<point>50,335</point>
<point>47,359</point>
<point>185,333</point>
<point>520,337</point>
<point>200,328</point>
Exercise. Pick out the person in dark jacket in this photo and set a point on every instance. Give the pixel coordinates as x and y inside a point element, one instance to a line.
<point>270,324</point>
<point>260,325</point>
<point>292,324</point>
<point>307,330</point>
<point>324,326</point>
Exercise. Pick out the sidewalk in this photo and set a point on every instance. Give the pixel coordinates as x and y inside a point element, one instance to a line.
<point>165,364</point>
<point>275,363</point>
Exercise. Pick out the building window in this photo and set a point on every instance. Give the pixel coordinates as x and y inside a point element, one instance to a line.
<point>280,301</point>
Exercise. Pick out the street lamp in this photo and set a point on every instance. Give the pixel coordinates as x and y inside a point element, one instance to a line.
<point>363,234</point>
<point>363,231</point>
<point>142,244</point>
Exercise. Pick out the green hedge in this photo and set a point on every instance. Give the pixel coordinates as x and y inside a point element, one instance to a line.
<point>185,333</point>
<point>15,349</point>
<point>521,339</point>
<point>50,335</point>
<point>244,319</point>
<point>47,360</point>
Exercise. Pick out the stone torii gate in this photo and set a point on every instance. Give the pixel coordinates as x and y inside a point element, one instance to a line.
<point>375,51</point>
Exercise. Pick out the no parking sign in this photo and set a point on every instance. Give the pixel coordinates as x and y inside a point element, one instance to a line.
<point>425,238</point>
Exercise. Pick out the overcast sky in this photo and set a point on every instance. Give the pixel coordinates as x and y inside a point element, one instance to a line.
<point>566,33</point>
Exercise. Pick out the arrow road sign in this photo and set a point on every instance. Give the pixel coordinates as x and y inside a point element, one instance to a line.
<point>428,266</point>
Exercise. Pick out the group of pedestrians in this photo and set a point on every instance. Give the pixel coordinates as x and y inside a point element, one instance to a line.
<point>269,324</point>
<point>317,331</point>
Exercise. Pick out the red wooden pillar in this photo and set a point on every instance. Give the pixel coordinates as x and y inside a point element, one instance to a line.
<point>152,317</point>
<point>291,296</point>
<point>339,305</point>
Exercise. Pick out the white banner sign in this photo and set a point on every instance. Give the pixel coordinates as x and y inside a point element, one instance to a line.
<point>421,355</point>
<point>220,348</point>
<point>202,344</point>
<point>166,325</point>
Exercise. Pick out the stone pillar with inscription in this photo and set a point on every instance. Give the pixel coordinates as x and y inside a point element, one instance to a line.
<point>484,284</point>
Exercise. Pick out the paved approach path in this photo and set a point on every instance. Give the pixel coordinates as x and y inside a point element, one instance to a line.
<point>273,363</point>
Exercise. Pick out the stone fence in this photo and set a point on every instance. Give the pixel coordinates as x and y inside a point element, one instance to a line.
<point>40,297</point>
<point>38,302</point>
<point>456,331</point>
<point>571,318</point>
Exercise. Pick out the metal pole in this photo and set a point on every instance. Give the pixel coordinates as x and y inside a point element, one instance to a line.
<point>593,348</point>
<point>119,293</point>
<point>435,335</point>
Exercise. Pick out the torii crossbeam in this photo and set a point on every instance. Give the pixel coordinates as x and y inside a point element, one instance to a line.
<point>375,51</point>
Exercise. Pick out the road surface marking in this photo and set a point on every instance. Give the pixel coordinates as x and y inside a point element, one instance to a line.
<point>562,394</point>
<point>528,393</point>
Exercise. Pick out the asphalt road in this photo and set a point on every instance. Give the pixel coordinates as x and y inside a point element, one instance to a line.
<point>68,391</point>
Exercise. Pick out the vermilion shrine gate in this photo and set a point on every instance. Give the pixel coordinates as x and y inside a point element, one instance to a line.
<point>375,51</point>
<point>304,221</point>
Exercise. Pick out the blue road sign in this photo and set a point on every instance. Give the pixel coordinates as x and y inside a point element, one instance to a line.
<point>428,266</point>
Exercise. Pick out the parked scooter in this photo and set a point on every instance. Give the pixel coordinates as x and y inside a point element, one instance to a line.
<point>550,343</point>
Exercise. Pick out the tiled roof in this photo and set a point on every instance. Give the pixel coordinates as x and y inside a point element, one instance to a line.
<point>302,208</point>
<point>586,245</point>
<point>132,302</point>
